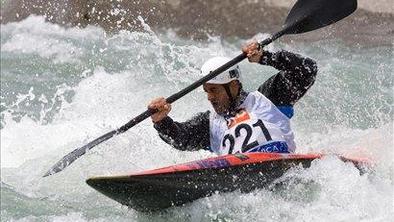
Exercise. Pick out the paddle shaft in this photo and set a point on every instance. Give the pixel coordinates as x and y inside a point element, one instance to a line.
<point>193,86</point>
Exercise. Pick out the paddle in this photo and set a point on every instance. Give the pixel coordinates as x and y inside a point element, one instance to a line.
<point>305,16</point>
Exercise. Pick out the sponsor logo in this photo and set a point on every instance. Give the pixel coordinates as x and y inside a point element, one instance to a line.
<point>216,163</point>
<point>273,147</point>
<point>240,117</point>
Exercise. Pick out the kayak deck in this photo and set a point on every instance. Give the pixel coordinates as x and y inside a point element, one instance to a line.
<point>183,183</point>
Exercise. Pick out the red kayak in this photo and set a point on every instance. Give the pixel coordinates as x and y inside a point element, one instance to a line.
<point>179,184</point>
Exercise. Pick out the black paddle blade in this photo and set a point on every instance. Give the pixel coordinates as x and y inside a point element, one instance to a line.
<point>75,154</point>
<point>308,15</point>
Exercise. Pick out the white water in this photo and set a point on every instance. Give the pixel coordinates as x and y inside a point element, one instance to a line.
<point>62,88</point>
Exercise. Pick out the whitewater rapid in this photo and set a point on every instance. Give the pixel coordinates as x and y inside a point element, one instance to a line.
<point>63,87</point>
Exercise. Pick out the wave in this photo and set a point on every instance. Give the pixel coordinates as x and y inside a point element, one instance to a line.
<point>198,19</point>
<point>70,99</point>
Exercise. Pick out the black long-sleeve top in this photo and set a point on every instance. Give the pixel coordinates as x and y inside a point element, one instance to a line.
<point>296,75</point>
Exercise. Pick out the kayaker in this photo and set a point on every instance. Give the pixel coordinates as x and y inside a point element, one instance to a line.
<point>242,121</point>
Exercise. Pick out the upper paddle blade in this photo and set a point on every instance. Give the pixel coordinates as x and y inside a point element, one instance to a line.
<point>308,15</point>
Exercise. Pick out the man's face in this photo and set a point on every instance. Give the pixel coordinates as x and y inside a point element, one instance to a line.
<point>218,97</point>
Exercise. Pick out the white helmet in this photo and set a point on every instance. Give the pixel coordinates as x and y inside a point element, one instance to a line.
<point>233,73</point>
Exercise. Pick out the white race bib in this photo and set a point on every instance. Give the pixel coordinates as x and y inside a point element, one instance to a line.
<point>246,131</point>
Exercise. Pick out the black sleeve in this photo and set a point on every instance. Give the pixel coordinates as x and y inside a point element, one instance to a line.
<point>190,135</point>
<point>297,74</point>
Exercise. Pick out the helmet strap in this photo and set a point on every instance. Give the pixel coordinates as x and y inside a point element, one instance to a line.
<point>231,98</point>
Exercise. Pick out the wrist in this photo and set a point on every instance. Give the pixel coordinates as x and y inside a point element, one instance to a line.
<point>158,120</point>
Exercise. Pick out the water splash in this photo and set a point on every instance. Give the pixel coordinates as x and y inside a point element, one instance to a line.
<point>53,102</point>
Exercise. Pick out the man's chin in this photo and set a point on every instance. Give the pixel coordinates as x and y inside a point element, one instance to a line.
<point>219,110</point>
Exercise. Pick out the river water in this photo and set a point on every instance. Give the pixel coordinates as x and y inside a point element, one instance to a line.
<point>63,87</point>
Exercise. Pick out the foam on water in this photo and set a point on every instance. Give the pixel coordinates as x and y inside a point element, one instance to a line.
<point>88,83</point>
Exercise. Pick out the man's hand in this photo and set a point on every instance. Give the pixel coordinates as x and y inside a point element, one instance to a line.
<point>252,51</point>
<point>163,109</point>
